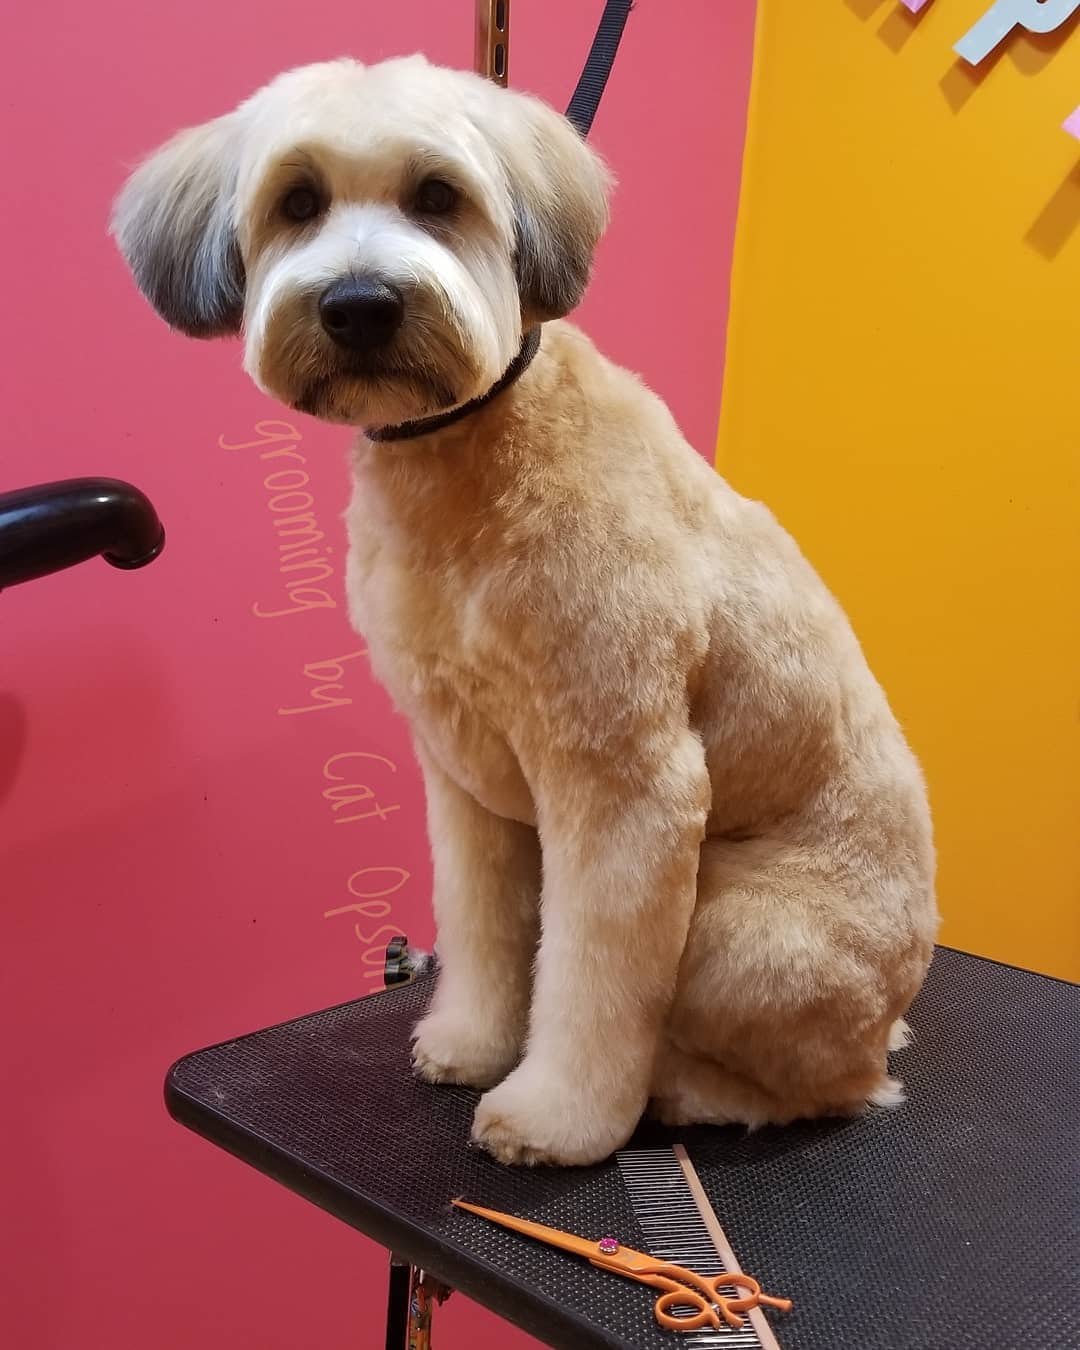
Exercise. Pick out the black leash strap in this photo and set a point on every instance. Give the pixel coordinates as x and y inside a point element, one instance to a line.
<point>590,88</point>
<point>424,426</point>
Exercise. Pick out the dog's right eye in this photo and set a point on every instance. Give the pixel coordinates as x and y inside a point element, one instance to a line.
<point>301,204</point>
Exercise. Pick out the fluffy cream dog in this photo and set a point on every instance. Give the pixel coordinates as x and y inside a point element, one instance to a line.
<point>682,851</point>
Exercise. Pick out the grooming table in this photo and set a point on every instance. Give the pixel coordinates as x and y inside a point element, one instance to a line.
<point>952,1222</point>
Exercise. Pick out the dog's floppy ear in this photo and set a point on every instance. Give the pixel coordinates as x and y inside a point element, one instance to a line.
<point>559,191</point>
<point>173,222</point>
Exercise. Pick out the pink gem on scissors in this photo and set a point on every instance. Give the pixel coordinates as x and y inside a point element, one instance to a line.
<point>608,1246</point>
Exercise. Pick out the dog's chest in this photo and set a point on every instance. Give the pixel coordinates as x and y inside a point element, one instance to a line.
<point>433,646</point>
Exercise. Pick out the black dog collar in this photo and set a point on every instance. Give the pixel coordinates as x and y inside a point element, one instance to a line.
<point>424,426</point>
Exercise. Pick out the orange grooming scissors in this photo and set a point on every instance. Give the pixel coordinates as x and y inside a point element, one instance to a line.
<point>688,1300</point>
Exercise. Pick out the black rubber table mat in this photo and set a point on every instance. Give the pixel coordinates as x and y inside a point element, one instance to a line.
<point>952,1222</point>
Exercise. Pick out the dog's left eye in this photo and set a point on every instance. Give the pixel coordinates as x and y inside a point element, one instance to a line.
<point>301,204</point>
<point>435,197</point>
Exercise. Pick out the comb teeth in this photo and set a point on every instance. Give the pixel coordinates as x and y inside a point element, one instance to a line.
<point>675,1231</point>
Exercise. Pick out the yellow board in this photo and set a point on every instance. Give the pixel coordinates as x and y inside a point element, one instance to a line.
<point>903,388</point>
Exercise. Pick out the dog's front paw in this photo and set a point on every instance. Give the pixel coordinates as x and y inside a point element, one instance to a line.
<point>538,1118</point>
<point>449,1047</point>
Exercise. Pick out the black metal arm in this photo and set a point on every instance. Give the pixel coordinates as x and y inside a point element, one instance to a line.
<point>56,525</point>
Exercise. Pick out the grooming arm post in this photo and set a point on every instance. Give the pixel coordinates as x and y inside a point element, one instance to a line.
<point>492,55</point>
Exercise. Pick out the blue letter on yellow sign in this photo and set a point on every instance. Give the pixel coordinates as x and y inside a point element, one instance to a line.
<point>1037,16</point>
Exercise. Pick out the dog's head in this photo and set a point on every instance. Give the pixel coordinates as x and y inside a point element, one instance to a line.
<point>381,235</point>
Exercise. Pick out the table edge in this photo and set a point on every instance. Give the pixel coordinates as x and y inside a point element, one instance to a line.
<point>488,1285</point>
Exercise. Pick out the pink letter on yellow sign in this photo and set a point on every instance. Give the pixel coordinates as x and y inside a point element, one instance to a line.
<point>914,5</point>
<point>1072,124</point>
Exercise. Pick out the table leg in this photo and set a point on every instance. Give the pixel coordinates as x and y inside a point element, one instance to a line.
<point>411,1301</point>
<point>397,1304</point>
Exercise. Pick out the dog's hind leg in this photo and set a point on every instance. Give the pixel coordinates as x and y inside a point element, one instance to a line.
<point>690,1090</point>
<point>799,962</point>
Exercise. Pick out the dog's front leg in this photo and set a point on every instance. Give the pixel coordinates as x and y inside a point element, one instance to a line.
<point>487,901</point>
<point>621,845</point>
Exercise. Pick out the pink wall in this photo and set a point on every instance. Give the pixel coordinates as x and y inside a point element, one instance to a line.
<point>169,852</point>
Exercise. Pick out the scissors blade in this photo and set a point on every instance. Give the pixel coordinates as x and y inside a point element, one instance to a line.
<point>554,1237</point>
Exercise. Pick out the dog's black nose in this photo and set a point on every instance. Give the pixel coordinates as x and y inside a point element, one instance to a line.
<point>361,314</point>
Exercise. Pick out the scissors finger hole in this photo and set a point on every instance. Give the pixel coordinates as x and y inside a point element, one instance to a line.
<point>684,1308</point>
